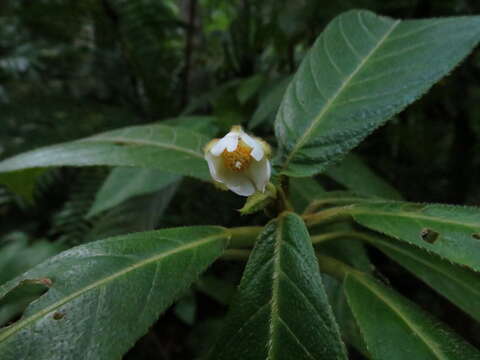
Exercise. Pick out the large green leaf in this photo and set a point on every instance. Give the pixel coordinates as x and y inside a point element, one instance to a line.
<point>456,283</point>
<point>106,294</point>
<point>281,309</point>
<point>124,183</point>
<point>362,70</point>
<point>175,150</point>
<point>356,176</point>
<point>452,232</point>
<point>396,329</point>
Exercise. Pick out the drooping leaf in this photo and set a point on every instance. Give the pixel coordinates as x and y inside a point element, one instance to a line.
<point>175,150</point>
<point>362,70</point>
<point>280,310</point>
<point>105,295</point>
<point>356,176</point>
<point>456,283</point>
<point>126,182</point>
<point>396,329</point>
<point>449,231</point>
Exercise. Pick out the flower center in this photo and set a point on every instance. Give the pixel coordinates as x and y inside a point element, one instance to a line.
<point>239,159</point>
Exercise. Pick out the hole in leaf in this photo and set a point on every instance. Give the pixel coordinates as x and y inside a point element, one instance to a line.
<point>476,236</point>
<point>58,315</point>
<point>429,235</point>
<point>14,302</point>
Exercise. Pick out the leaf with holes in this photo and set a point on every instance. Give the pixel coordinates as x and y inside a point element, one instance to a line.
<point>458,284</point>
<point>171,149</point>
<point>281,310</point>
<point>448,231</point>
<point>106,294</point>
<point>362,70</point>
<point>396,329</point>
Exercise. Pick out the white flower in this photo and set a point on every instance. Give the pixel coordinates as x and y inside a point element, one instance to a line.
<point>239,161</point>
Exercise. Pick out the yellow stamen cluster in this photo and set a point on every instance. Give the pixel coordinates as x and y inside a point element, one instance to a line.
<point>239,159</point>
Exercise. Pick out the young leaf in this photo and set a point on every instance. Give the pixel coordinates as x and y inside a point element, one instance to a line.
<point>281,310</point>
<point>362,70</point>
<point>449,231</point>
<point>175,150</point>
<point>356,176</point>
<point>106,294</point>
<point>458,284</point>
<point>395,329</point>
<point>126,182</point>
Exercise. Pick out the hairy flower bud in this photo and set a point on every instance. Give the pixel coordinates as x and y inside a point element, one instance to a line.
<point>239,161</point>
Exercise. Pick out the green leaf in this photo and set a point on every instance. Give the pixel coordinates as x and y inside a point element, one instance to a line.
<point>175,150</point>
<point>281,309</point>
<point>22,182</point>
<point>206,125</point>
<point>303,191</point>
<point>362,70</point>
<point>396,329</point>
<point>343,314</point>
<point>249,87</point>
<point>356,176</point>
<point>106,294</point>
<point>17,256</point>
<point>452,232</point>
<point>259,200</point>
<point>270,102</point>
<point>124,183</point>
<point>460,285</point>
<point>141,213</point>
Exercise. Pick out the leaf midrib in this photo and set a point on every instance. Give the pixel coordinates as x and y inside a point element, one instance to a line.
<point>301,141</point>
<point>7,332</point>
<point>431,344</point>
<point>276,271</point>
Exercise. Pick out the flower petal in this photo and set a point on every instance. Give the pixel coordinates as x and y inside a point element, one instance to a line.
<point>237,182</point>
<point>257,149</point>
<point>259,173</point>
<point>231,141</point>
<point>214,163</point>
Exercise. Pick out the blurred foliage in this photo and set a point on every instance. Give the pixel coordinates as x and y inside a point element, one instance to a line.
<point>74,68</point>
